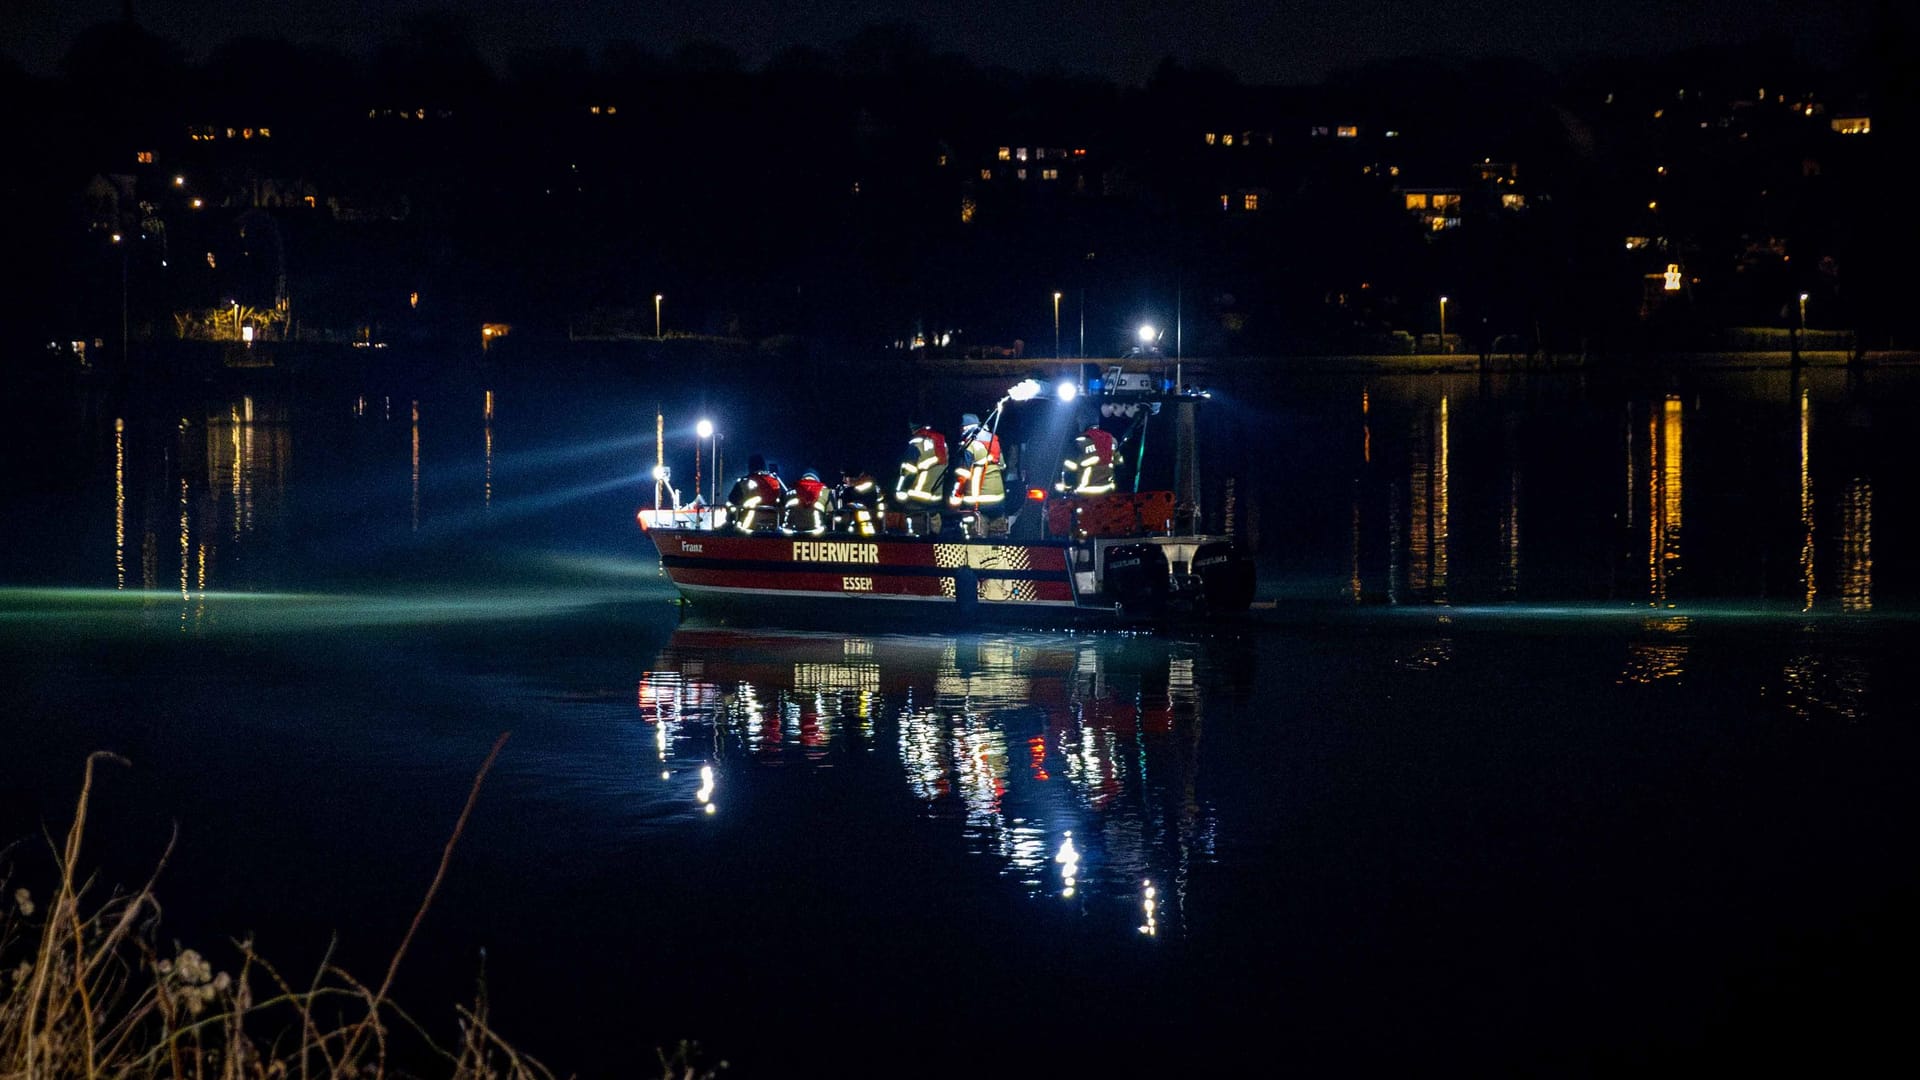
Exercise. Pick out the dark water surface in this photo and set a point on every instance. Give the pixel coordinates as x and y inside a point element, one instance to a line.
<point>1580,737</point>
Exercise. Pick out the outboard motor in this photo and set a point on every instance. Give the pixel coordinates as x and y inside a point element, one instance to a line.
<point>1226,579</point>
<point>1136,577</point>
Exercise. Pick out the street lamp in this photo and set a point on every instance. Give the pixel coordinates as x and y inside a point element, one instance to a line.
<point>1056,324</point>
<point>657,297</point>
<point>1443,324</point>
<point>123,296</point>
<point>1803,314</point>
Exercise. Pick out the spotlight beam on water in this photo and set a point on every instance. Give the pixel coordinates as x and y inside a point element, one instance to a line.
<point>90,611</point>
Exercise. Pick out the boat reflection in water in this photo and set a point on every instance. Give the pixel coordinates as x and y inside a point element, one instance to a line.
<point>1070,761</point>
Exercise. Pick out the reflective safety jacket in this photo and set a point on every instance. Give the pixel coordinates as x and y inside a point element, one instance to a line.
<point>923,470</point>
<point>807,507</point>
<point>862,505</point>
<point>1089,468</point>
<point>980,477</point>
<point>754,502</point>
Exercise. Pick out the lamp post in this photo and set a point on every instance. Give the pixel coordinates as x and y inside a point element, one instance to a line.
<point>657,297</point>
<point>1443,324</point>
<point>704,430</point>
<point>1056,324</point>
<point>1083,326</point>
<point>123,296</point>
<point>1803,314</point>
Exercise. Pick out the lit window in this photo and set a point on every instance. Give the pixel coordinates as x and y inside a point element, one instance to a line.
<point>1079,153</point>
<point>1316,131</point>
<point>1416,200</point>
<point>967,210</point>
<point>1006,153</point>
<point>1226,140</point>
<point>942,163</point>
<point>309,200</point>
<point>1020,154</point>
<point>229,133</point>
<point>594,109</point>
<point>246,133</point>
<point>144,157</point>
<point>1635,243</point>
<point>1446,202</point>
<point>266,133</point>
<point>1852,125</point>
<point>612,109</point>
<point>1049,174</point>
<point>1212,138</point>
<point>1347,131</point>
<point>1251,202</point>
<point>1511,201</point>
<point>1020,174</point>
<point>1392,134</point>
<point>1393,170</point>
<point>986,174</point>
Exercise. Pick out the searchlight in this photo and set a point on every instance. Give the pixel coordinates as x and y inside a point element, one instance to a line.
<point>1148,335</point>
<point>1066,390</point>
<point>704,429</point>
<point>1025,390</point>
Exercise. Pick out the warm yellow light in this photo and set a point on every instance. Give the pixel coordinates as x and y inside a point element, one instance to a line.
<point>197,204</point>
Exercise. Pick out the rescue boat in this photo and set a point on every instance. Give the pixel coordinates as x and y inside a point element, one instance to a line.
<point>1134,556</point>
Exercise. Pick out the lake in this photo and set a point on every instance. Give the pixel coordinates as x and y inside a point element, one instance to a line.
<point>1578,736</point>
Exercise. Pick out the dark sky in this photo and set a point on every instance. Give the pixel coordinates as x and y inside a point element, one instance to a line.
<point>1283,41</point>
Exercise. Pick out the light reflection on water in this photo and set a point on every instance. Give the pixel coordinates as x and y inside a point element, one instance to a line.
<point>1069,762</point>
<point>1442,490</point>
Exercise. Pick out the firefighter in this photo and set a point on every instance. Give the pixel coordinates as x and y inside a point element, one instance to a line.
<point>1089,467</point>
<point>923,473</point>
<point>860,502</point>
<point>753,502</point>
<point>979,477</point>
<point>807,507</point>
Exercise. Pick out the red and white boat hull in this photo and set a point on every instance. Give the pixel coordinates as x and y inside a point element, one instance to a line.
<point>985,574</point>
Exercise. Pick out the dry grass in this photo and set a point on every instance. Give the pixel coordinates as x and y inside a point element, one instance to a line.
<point>85,991</point>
